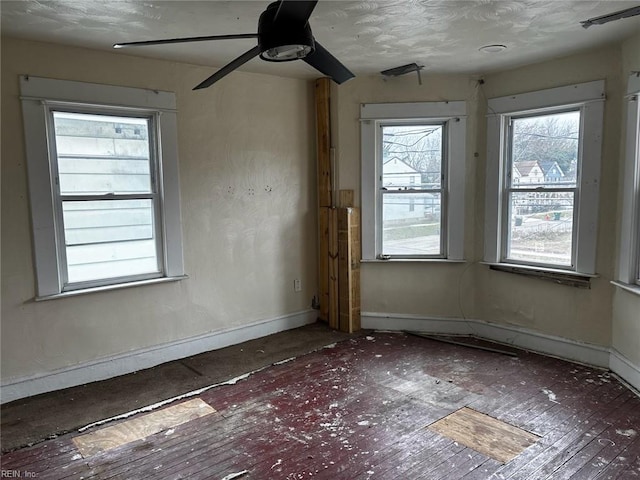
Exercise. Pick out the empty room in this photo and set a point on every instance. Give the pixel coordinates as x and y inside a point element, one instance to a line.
<point>324,239</point>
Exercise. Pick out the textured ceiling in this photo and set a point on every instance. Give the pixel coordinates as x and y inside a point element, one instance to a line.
<point>367,36</point>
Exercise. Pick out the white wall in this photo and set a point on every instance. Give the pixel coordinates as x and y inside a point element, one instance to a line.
<point>434,289</point>
<point>247,176</point>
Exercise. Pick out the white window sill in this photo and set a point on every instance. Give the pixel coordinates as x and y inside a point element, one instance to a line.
<point>556,275</point>
<point>635,289</point>
<point>73,293</point>
<point>412,260</point>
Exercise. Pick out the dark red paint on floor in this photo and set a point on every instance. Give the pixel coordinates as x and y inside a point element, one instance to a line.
<point>359,410</point>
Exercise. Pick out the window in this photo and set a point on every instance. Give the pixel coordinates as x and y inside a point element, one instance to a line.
<point>413,158</point>
<point>540,220</point>
<point>629,263</point>
<point>103,183</point>
<point>543,168</point>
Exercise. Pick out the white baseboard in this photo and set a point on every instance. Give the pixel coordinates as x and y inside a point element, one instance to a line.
<point>508,334</point>
<point>627,371</point>
<point>129,362</point>
<point>560,347</point>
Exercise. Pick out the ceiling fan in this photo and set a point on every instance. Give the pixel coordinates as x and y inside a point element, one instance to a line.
<point>283,35</point>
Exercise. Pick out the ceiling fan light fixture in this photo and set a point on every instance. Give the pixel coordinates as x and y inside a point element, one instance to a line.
<point>285,53</point>
<point>283,39</point>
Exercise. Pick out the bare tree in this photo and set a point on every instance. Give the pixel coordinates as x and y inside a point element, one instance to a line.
<point>419,146</point>
<point>548,138</point>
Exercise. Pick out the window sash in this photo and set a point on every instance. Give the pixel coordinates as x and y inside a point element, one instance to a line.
<point>511,187</point>
<point>68,285</point>
<point>506,244</point>
<point>59,199</point>
<point>384,251</point>
<point>412,189</point>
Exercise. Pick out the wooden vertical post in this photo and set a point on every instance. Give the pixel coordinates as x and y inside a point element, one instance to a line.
<point>323,129</point>
<point>327,226</point>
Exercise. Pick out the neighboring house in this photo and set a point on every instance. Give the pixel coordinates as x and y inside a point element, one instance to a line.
<point>535,171</point>
<point>528,172</point>
<point>552,171</point>
<point>515,175</point>
<point>538,172</point>
<point>399,175</point>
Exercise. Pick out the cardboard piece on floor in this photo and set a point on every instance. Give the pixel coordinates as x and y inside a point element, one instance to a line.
<point>485,434</point>
<point>137,428</point>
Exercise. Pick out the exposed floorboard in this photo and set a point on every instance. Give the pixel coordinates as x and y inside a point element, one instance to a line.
<point>69,409</point>
<point>361,410</point>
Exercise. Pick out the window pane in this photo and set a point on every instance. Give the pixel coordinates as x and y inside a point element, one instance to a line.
<point>540,228</point>
<point>411,224</point>
<point>545,150</point>
<point>100,154</point>
<point>412,157</point>
<point>109,239</point>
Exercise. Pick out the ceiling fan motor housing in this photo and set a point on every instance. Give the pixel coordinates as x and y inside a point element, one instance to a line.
<point>284,39</point>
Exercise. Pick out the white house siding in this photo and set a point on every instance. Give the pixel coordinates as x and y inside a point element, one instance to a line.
<point>105,155</point>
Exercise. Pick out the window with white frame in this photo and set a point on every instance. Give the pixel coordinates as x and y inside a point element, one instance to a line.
<point>629,262</point>
<point>103,180</point>
<point>543,176</point>
<point>413,157</point>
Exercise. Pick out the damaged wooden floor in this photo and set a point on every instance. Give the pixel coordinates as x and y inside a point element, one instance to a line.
<point>364,408</point>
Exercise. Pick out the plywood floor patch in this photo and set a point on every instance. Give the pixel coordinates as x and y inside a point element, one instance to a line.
<point>484,434</point>
<point>108,438</point>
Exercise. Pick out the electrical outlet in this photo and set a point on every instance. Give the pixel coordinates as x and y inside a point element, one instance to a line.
<point>297,285</point>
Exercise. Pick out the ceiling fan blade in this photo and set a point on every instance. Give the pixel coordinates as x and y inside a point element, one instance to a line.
<point>326,63</point>
<point>297,11</point>
<point>185,40</point>
<point>228,68</point>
